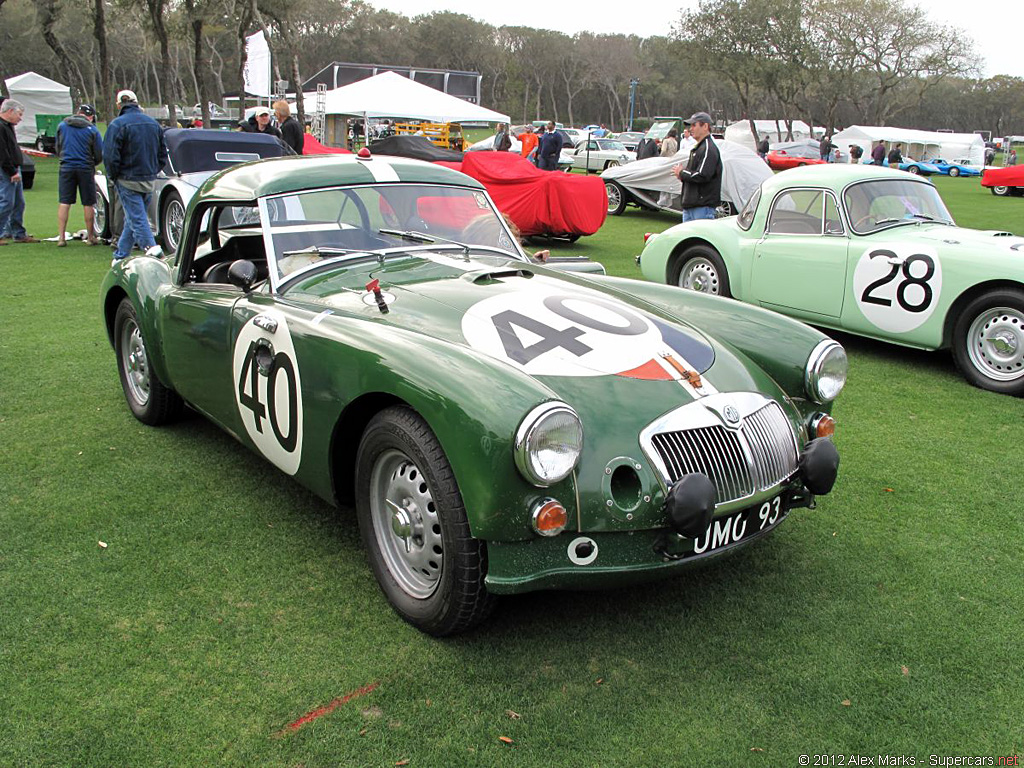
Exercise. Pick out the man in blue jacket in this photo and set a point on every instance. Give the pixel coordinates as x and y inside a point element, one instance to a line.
<point>549,148</point>
<point>133,153</point>
<point>80,149</point>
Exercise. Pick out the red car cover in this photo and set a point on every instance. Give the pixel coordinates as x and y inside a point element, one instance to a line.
<point>311,146</point>
<point>539,202</point>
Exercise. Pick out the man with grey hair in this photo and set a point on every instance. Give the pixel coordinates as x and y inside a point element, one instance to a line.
<point>12,193</point>
<point>133,153</point>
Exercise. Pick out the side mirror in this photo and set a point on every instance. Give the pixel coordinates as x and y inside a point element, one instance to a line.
<point>242,274</point>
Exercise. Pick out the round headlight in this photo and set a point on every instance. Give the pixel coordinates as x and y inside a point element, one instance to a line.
<point>548,443</point>
<point>825,376</point>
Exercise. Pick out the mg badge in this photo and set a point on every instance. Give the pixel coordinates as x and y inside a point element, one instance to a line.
<point>732,416</point>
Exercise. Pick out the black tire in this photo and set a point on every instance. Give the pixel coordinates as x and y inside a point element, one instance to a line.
<point>988,341</point>
<point>433,576</point>
<point>617,198</point>
<point>954,171</point>
<point>147,397</point>
<point>701,269</point>
<point>40,144</point>
<point>1001,191</point>
<point>172,219</point>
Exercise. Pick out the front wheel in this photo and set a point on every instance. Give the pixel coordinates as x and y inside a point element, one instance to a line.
<point>954,171</point>
<point>616,198</point>
<point>702,270</point>
<point>147,397</point>
<point>611,164</point>
<point>172,221</point>
<point>1000,191</point>
<point>913,169</point>
<point>414,527</point>
<point>988,342</point>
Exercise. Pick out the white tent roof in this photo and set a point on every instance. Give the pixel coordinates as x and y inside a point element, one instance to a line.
<point>41,96</point>
<point>739,132</point>
<point>392,95</point>
<point>919,145</point>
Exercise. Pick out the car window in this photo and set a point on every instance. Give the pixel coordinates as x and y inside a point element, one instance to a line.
<point>610,144</point>
<point>875,205</point>
<point>746,217</point>
<point>833,222</point>
<point>797,212</point>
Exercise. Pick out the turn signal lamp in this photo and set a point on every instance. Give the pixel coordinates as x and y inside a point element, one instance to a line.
<point>549,517</point>
<point>364,153</point>
<point>823,425</point>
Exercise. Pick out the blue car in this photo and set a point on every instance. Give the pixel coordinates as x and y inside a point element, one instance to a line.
<point>957,168</point>
<point>919,167</point>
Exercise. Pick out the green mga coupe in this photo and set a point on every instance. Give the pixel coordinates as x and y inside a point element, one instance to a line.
<point>871,251</point>
<point>371,327</point>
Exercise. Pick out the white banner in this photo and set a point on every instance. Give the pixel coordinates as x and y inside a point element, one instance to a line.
<point>257,65</point>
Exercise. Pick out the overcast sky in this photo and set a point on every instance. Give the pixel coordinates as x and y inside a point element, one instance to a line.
<point>996,40</point>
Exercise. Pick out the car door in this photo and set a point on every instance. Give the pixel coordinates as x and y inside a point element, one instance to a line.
<point>586,155</point>
<point>800,262</point>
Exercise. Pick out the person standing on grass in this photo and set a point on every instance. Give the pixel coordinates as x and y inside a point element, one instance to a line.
<point>702,174</point>
<point>529,140</point>
<point>550,147</point>
<point>133,152</point>
<point>80,149</point>
<point>12,193</point>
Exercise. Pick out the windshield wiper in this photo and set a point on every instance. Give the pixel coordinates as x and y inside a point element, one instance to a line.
<point>327,250</point>
<point>423,237</point>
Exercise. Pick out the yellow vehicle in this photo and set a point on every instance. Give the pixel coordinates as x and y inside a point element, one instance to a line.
<point>446,135</point>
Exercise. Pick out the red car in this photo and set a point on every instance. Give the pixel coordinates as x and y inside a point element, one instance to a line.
<point>1004,181</point>
<point>780,160</point>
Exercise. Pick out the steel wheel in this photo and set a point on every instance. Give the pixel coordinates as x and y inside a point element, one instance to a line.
<point>996,343</point>
<point>405,523</point>
<point>699,275</point>
<point>134,362</point>
<point>988,341</point>
<point>147,397</point>
<point>1000,191</point>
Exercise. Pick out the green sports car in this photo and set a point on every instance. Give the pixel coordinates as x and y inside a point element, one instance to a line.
<point>371,328</point>
<point>866,250</point>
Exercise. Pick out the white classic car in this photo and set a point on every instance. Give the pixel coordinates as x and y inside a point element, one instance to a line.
<point>599,154</point>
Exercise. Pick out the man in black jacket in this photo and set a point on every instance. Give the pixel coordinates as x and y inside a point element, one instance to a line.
<point>702,175</point>
<point>291,131</point>
<point>12,194</point>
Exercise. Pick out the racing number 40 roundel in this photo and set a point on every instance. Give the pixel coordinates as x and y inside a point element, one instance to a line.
<point>897,286</point>
<point>268,389</point>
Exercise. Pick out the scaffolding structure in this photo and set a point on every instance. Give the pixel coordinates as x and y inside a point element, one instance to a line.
<point>319,126</point>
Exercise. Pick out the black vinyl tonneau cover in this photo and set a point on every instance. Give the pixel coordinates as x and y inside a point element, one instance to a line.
<point>416,147</point>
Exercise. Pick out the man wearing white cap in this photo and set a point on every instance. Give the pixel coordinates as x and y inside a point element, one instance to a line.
<point>133,153</point>
<point>260,123</point>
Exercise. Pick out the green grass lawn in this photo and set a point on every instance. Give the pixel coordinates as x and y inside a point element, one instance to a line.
<point>229,602</point>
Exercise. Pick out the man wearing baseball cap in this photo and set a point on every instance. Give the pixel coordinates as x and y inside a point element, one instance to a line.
<point>702,175</point>
<point>80,149</point>
<point>260,123</point>
<point>133,153</point>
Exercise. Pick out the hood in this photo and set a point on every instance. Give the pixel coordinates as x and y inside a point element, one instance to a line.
<point>975,241</point>
<point>564,330</point>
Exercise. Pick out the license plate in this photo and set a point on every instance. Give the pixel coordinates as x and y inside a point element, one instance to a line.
<point>728,531</point>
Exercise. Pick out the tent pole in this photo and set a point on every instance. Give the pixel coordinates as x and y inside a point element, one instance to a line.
<point>366,130</point>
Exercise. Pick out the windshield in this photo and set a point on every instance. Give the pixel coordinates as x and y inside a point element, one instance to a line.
<point>615,146</point>
<point>660,129</point>
<point>320,225</point>
<point>876,205</point>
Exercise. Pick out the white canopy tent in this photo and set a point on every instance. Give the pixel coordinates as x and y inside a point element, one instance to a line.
<point>41,96</point>
<point>775,130</point>
<point>391,95</point>
<point>919,145</point>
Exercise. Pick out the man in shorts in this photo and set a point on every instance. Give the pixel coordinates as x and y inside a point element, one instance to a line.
<point>80,149</point>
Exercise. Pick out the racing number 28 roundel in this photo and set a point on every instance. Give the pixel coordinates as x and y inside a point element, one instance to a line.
<point>898,285</point>
<point>268,390</point>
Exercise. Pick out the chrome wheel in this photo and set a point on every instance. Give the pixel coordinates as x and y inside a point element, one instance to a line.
<point>99,222</point>
<point>1000,191</point>
<point>134,362</point>
<point>405,523</point>
<point>954,171</point>
<point>615,202</point>
<point>174,222</point>
<point>699,274</point>
<point>995,344</point>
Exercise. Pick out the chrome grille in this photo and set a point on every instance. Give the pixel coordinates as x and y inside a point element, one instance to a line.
<point>756,456</point>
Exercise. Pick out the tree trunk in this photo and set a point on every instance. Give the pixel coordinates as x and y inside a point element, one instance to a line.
<point>156,17</point>
<point>197,71</point>
<point>99,31</point>
<point>48,13</point>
